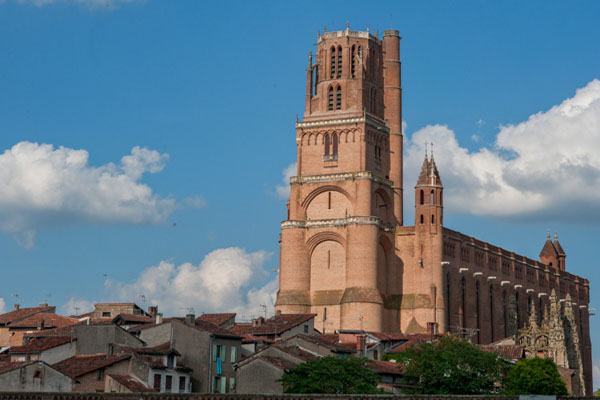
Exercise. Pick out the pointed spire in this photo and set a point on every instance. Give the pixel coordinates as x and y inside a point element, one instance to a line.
<point>548,251</point>
<point>429,175</point>
<point>309,58</point>
<point>557,246</point>
<point>347,25</point>
<point>532,314</point>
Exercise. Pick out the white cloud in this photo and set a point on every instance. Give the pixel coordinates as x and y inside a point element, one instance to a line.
<point>43,186</point>
<point>547,167</point>
<point>283,191</point>
<point>76,306</point>
<point>229,279</point>
<point>95,4</point>
<point>2,306</point>
<point>195,202</point>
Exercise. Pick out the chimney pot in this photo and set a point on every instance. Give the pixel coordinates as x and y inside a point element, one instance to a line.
<point>190,319</point>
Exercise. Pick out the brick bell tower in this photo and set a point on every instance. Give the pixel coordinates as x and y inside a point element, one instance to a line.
<point>337,255</point>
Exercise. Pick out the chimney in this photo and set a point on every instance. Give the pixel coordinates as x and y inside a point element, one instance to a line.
<point>43,304</point>
<point>361,345</point>
<point>158,319</point>
<point>432,329</point>
<point>152,311</point>
<point>40,324</point>
<point>278,313</point>
<point>258,322</point>
<point>16,307</point>
<point>190,319</point>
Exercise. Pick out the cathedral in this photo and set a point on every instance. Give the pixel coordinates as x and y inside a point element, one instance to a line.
<point>345,253</point>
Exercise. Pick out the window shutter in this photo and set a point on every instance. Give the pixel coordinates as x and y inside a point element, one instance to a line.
<point>233,350</point>
<point>231,385</point>
<point>214,355</point>
<point>223,385</point>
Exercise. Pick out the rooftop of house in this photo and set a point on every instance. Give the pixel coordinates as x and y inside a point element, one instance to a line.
<point>9,366</point>
<point>77,366</point>
<point>278,362</point>
<point>508,352</point>
<point>160,350</point>
<point>384,367</point>
<point>135,318</point>
<point>273,326</point>
<point>19,314</point>
<point>217,319</point>
<point>41,344</point>
<point>131,383</point>
<point>330,341</point>
<point>44,321</point>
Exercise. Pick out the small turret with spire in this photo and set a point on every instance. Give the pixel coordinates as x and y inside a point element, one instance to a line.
<point>552,253</point>
<point>429,192</point>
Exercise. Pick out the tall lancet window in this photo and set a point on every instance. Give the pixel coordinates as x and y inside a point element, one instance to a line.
<point>332,62</point>
<point>338,100</point>
<point>330,106</point>
<point>339,62</point>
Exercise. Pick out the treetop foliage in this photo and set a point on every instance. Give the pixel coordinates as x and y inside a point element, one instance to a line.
<point>450,366</point>
<point>534,376</point>
<point>331,375</point>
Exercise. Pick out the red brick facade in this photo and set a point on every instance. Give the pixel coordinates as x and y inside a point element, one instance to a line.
<point>345,254</point>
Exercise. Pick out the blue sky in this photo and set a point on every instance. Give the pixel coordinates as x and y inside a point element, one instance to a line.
<point>143,144</point>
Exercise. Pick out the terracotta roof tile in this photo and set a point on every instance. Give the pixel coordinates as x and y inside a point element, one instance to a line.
<point>81,365</point>
<point>217,319</point>
<point>5,367</point>
<point>41,344</point>
<point>215,330</point>
<point>278,362</point>
<point>49,321</point>
<point>509,352</point>
<point>23,313</point>
<point>273,326</point>
<point>153,324</point>
<point>330,341</point>
<point>131,383</point>
<point>296,352</point>
<point>132,318</point>
<point>160,350</point>
<point>384,367</point>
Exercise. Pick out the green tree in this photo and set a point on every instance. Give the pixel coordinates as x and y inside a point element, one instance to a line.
<point>331,375</point>
<point>450,366</point>
<point>534,376</point>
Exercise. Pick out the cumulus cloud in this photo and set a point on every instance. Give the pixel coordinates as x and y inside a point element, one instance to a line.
<point>195,202</point>
<point>76,306</point>
<point>229,279</point>
<point>43,186</point>
<point>283,191</point>
<point>547,167</point>
<point>2,306</point>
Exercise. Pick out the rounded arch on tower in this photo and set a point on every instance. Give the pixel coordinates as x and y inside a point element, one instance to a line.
<point>382,204</point>
<point>321,237</point>
<point>341,204</point>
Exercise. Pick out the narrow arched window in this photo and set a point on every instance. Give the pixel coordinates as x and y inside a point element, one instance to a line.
<point>330,106</point>
<point>316,78</point>
<point>505,313</point>
<point>448,314</point>
<point>353,61</point>
<point>422,219</point>
<point>463,290</point>
<point>338,100</point>
<point>432,219</point>
<point>477,316</point>
<point>422,198</point>
<point>326,145</point>
<point>491,313</point>
<point>517,300</point>
<point>335,145</point>
<point>333,62</point>
<point>339,61</point>
<point>431,197</point>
